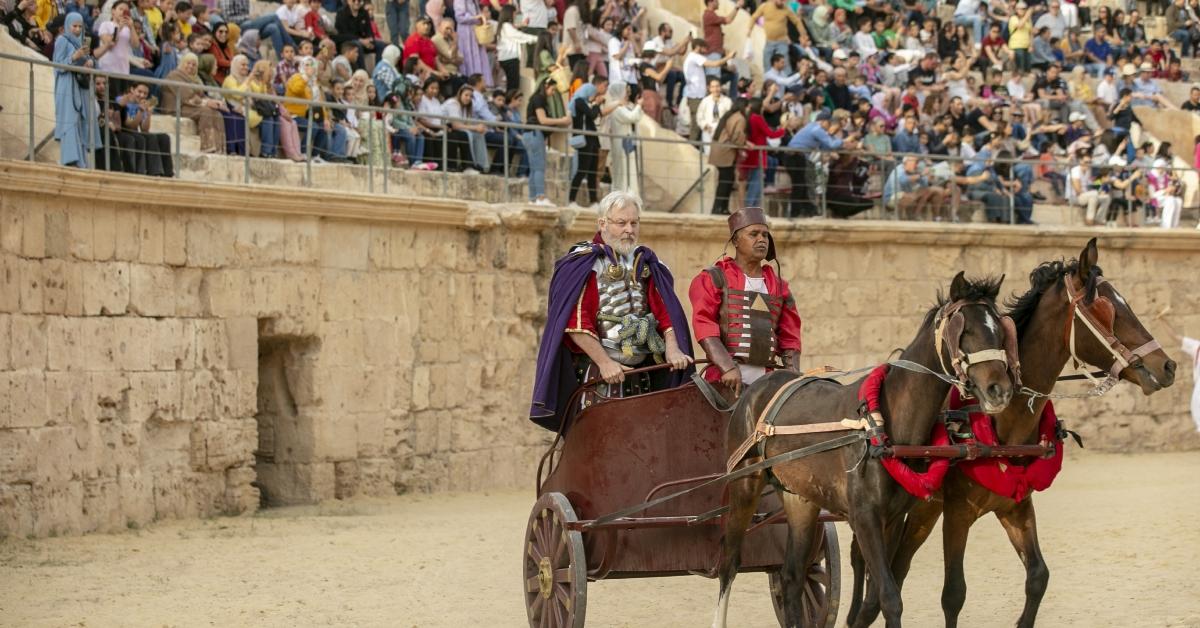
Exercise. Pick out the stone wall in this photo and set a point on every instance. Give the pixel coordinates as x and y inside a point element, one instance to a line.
<point>170,349</point>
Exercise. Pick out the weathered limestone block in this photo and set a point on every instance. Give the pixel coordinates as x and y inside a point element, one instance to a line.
<point>342,343</point>
<point>345,244</point>
<point>80,232</point>
<point>345,478</point>
<point>521,252</point>
<point>242,334</point>
<point>11,228</point>
<point>370,432</point>
<point>380,343</point>
<point>421,388</point>
<point>73,278</point>
<point>154,396</point>
<point>210,241</point>
<point>54,289</point>
<point>16,510</point>
<point>101,506</point>
<point>198,397</point>
<point>151,290</point>
<point>106,288</point>
<point>377,477</point>
<point>343,294</point>
<point>240,496</point>
<point>26,394</point>
<point>10,283</point>
<point>29,342</point>
<point>259,240</point>
<point>31,286</point>
<point>175,237</point>
<point>137,496</point>
<point>57,507</point>
<point>336,436</point>
<point>301,237</point>
<point>18,455</point>
<point>128,237</point>
<point>212,344</point>
<point>151,236</point>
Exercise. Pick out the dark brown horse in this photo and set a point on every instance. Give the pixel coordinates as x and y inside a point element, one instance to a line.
<point>1061,297</point>
<point>846,481</point>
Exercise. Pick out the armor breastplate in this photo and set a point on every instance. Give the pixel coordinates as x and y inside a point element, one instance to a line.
<point>621,295</point>
<point>748,320</point>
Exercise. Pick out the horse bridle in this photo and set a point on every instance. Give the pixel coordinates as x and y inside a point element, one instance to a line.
<point>948,332</point>
<point>1098,318</point>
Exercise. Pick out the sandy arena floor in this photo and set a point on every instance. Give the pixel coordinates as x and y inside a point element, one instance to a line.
<point>1120,534</point>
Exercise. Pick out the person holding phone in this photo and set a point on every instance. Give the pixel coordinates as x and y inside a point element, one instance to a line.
<point>74,122</point>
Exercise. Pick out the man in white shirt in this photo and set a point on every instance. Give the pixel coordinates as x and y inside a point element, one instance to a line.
<point>1053,20</point>
<point>779,74</point>
<point>291,16</point>
<point>695,81</point>
<point>536,15</point>
<point>1078,193</point>
<point>666,50</point>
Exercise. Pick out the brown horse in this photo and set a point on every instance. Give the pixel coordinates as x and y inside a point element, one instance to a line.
<point>844,481</point>
<point>1061,295</point>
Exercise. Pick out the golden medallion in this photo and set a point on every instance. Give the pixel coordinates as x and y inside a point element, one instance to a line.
<point>645,272</point>
<point>615,272</point>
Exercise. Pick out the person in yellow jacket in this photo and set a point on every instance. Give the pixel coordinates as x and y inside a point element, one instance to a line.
<point>329,139</point>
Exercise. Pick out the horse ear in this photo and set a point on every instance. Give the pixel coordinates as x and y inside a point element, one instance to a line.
<point>958,287</point>
<point>1087,259</point>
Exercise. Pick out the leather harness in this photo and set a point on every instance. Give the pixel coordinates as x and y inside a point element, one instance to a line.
<point>1098,318</point>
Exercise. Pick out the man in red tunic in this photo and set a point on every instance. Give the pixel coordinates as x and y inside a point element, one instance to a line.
<point>743,314</point>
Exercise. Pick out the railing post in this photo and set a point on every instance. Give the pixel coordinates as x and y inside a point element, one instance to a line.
<point>387,153</point>
<point>507,188</point>
<point>700,155</point>
<point>308,145</point>
<point>246,109</point>
<point>178,166</point>
<point>821,191</point>
<point>567,170</point>
<point>445,157</point>
<point>371,152</point>
<point>89,156</point>
<point>105,132</point>
<point>1012,195</point>
<point>32,138</point>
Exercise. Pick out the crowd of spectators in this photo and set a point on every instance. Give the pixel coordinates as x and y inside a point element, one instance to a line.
<point>938,106</point>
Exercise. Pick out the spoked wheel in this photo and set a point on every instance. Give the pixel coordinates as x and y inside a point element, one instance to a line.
<point>554,566</point>
<point>821,589</point>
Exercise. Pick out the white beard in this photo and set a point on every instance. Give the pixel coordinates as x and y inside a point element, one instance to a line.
<point>622,249</point>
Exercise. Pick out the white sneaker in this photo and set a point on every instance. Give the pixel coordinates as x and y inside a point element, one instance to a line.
<point>470,171</point>
<point>545,202</point>
<point>317,160</point>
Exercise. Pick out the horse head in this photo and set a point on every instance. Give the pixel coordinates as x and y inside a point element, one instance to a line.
<point>1103,331</point>
<point>976,345</point>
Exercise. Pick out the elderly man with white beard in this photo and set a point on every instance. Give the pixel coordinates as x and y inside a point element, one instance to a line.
<point>612,308</point>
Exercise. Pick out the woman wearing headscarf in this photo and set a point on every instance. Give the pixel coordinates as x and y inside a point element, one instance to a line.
<point>585,109</point>
<point>386,75</point>
<point>475,57</point>
<point>195,105</point>
<point>259,82</point>
<point>329,139</point>
<point>248,45</point>
<point>239,80</point>
<point>74,124</point>
<point>235,123</point>
<point>624,122</point>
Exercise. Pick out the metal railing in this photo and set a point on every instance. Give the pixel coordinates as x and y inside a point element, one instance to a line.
<point>694,188</point>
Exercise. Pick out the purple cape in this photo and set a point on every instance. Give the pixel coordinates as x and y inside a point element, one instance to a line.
<point>554,380</point>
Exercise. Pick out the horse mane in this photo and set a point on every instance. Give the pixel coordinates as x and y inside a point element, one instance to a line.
<point>1048,274</point>
<point>982,289</point>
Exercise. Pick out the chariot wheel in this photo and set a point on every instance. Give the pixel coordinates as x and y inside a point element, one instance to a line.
<point>820,590</point>
<point>554,566</point>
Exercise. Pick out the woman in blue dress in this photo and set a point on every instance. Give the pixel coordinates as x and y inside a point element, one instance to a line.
<point>74,112</point>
